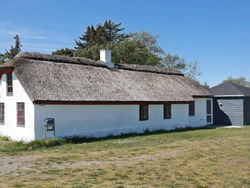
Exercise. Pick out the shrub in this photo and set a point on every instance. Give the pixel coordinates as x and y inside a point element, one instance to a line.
<point>4,138</point>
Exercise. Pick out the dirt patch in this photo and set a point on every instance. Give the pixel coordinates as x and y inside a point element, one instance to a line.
<point>126,141</point>
<point>11,164</point>
<point>231,126</point>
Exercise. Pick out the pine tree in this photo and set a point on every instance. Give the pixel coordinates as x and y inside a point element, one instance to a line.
<point>87,39</point>
<point>91,37</point>
<point>112,32</point>
<point>108,33</point>
<point>100,35</point>
<point>13,50</point>
<point>2,58</point>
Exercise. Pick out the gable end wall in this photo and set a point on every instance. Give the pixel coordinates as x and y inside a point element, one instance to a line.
<point>10,127</point>
<point>230,113</point>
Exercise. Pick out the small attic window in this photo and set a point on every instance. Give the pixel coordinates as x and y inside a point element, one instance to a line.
<point>9,84</point>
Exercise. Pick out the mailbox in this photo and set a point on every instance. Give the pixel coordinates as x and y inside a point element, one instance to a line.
<point>49,123</point>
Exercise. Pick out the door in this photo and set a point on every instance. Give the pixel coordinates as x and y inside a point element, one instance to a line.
<point>209,111</point>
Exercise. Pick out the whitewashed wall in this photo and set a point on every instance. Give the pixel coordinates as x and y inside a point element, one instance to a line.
<point>103,120</point>
<point>200,117</point>
<point>89,120</point>
<point>10,127</point>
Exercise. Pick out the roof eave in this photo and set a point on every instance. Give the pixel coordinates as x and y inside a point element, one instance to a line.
<point>202,96</point>
<point>230,96</point>
<point>8,69</point>
<point>46,102</point>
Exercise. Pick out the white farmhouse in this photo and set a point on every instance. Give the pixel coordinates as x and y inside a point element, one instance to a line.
<point>95,98</point>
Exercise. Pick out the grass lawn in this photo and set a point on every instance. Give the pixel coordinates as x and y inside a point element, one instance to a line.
<point>199,158</point>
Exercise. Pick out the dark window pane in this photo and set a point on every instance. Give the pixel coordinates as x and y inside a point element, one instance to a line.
<point>20,113</point>
<point>9,83</point>
<point>209,118</point>
<point>191,108</point>
<point>143,112</point>
<point>167,111</point>
<point>209,107</point>
<point>10,89</point>
<point>2,112</point>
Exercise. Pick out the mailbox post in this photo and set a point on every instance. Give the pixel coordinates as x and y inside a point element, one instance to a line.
<point>49,124</point>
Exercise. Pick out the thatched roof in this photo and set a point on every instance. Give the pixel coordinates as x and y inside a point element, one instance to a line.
<point>60,78</point>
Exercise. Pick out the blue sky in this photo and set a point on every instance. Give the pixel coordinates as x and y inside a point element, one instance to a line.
<point>216,33</point>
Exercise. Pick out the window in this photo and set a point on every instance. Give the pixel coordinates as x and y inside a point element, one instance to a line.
<point>209,107</point>
<point>209,119</point>
<point>20,114</point>
<point>191,108</point>
<point>9,84</point>
<point>143,112</point>
<point>209,111</point>
<point>1,113</point>
<point>167,111</point>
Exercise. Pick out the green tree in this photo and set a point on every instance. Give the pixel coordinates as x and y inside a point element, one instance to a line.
<point>174,62</point>
<point>14,50</point>
<point>128,52</point>
<point>138,48</point>
<point>240,80</point>
<point>190,70</point>
<point>2,58</point>
<point>142,48</point>
<point>100,38</point>
<point>64,51</point>
<point>149,40</point>
<point>9,54</point>
<point>113,33</point>
<point>87,39</point>
<point>133,52</point>
<point>107,34</point>
<point>92,52</point>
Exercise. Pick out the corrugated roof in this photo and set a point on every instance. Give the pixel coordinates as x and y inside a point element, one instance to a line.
<point>60,78</point>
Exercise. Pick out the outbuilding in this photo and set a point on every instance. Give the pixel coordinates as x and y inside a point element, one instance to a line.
<point>231,104</point>
<point>83,97</point>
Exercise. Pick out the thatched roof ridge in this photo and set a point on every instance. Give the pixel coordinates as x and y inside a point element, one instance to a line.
<point>152,69</point>
<point>53,78</point>
<point>85,61</point>
<point>60,59</point>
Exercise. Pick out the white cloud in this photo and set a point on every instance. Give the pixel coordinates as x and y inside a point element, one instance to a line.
<point>31,39</point>
<point>8,29</point>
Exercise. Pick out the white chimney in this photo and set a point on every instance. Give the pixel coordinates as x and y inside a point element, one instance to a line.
<point>105,56</point>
